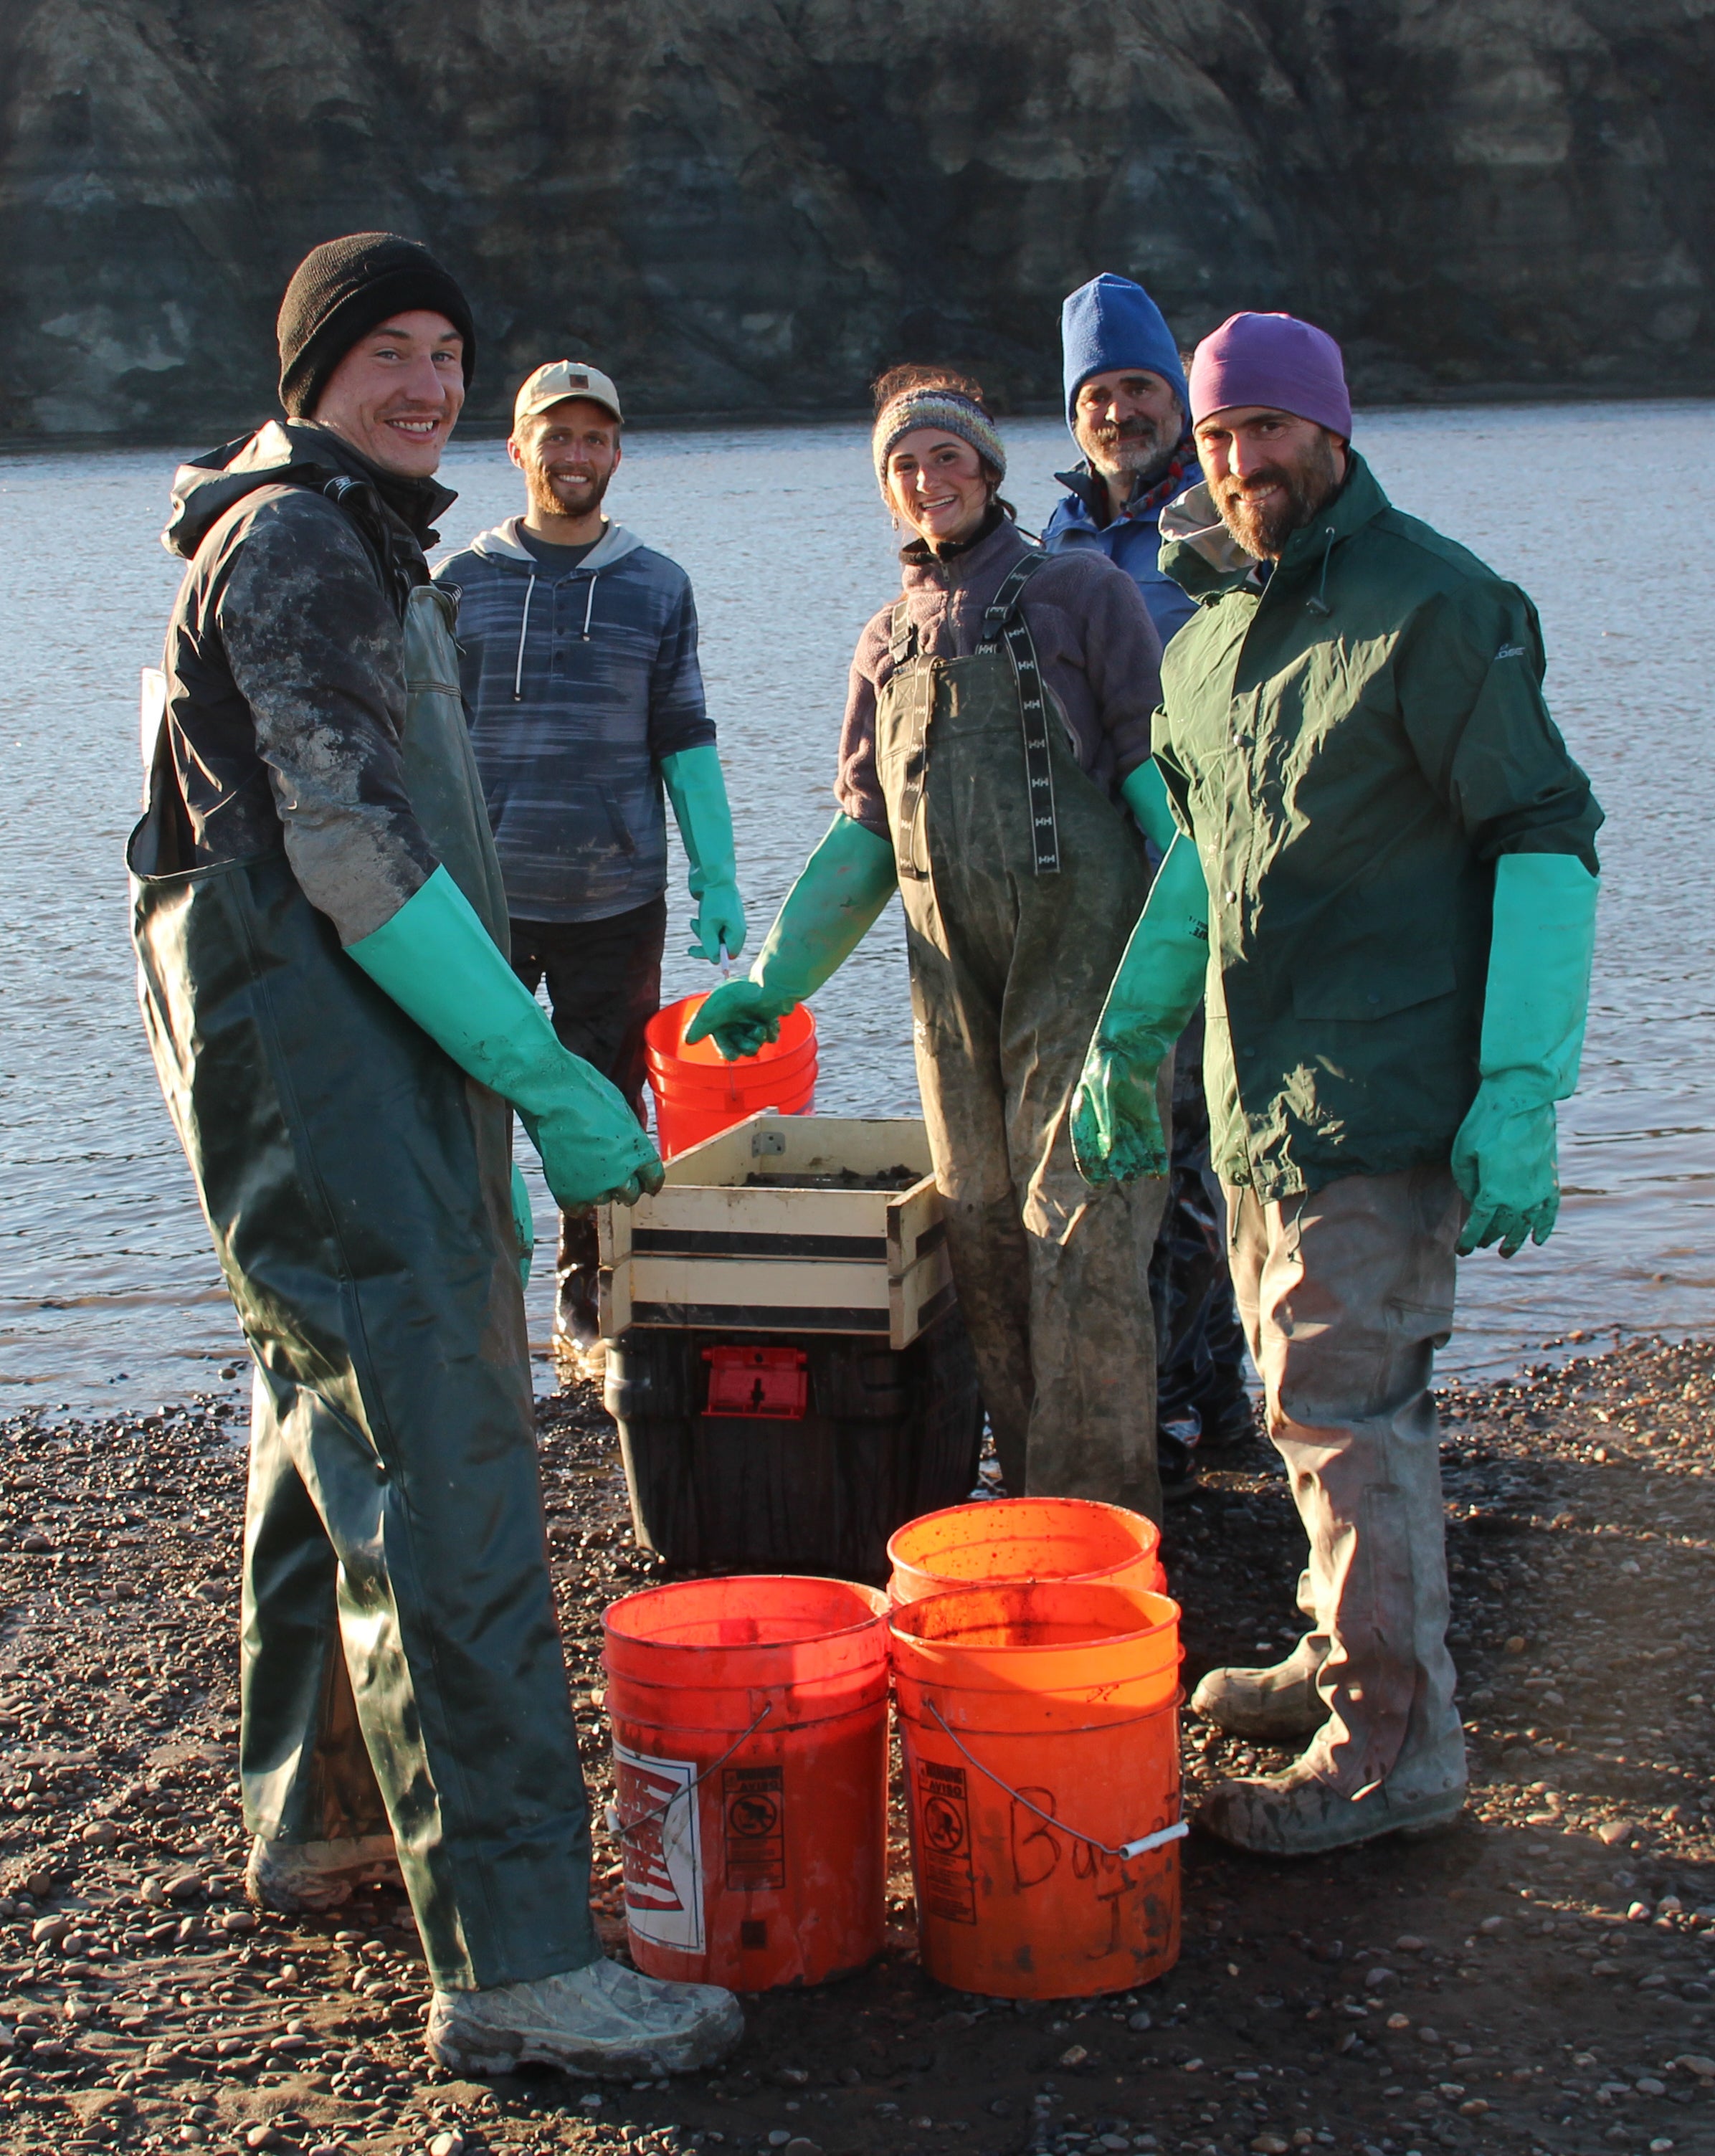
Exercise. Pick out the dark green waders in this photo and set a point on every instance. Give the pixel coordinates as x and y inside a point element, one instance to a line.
<point>402,1665</point>
<point>1022,882</point>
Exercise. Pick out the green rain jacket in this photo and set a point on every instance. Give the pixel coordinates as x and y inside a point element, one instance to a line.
<point>1352,743</point>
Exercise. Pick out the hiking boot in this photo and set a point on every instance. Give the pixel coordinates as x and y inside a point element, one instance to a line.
<point>1296,1814</point>
<point>1176,1462</point>
<point>1277,1705</point>
<point>1226,1411</point>
<point>309,1878</point>
<point>603,2020</point>
<point>577,1324</point>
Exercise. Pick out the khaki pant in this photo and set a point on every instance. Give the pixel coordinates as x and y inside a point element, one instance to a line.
<point>1346,1293</point>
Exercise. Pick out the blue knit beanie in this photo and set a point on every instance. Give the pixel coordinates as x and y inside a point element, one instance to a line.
<point>1109,323</point>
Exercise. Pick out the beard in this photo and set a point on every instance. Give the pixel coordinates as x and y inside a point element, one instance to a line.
<point>578,501</point>
<point>1304,486</point>
<point>1139,446</point>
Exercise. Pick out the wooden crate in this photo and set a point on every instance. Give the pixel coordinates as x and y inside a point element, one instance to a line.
<point>706,1250</point>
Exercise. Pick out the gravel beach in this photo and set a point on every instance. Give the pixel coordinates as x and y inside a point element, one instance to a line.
<point>1539,1978</point>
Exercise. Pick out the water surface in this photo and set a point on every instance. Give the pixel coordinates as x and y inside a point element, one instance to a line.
<point>109,1292</point>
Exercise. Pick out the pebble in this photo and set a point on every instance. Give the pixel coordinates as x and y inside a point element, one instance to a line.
<point>1141,2020</point>
<point>1490,1925</point>
<point>1073,2055</point>
<point>801,2145</point>
<point>447,2144</point>
<point>1611,1832</point>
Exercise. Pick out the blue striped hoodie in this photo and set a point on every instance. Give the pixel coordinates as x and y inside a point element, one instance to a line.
<point>577,687</point>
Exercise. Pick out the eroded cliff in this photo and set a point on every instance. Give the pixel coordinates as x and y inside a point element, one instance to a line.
<point>750,205</point>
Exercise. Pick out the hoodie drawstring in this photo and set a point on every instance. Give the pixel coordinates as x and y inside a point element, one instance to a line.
<point>589,603</point>
<point>523,629</point>
<point>1319,604</point>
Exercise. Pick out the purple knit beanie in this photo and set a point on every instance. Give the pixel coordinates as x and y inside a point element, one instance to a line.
<point>1274,360</point>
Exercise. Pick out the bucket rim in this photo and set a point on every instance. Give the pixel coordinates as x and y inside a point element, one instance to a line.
<point>876,1597</point>
<point>797,1026</point>
<point>899,1628</point>
<point>995,1506</point>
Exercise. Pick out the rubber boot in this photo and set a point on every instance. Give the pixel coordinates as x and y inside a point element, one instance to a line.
<point>309,1878</point>
<point>604,2021</point>
<point>1276,1706</point>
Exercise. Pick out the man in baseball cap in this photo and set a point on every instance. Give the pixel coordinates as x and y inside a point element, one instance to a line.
<point>321,934</point>
<point>1387,871</point>
<point>579,656</point>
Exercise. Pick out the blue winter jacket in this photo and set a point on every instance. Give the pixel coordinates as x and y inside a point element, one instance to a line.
<point>1133,541</point>
<point>577,687</point>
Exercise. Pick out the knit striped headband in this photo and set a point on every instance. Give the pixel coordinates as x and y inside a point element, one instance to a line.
<point>945,408</point>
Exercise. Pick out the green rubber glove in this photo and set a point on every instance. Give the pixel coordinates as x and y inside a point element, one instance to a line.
<point>1534,1006</point>
<point>836,900</point>
<point>698,794</point>
<point>1117,1133</point>
<point>523,1223</point>
<point>1144,792</point>
<point>440,965</point>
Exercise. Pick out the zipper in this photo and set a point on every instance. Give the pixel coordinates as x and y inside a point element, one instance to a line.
<point>523,629</point>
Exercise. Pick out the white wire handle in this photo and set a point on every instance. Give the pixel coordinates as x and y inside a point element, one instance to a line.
<point>1139,1847</point>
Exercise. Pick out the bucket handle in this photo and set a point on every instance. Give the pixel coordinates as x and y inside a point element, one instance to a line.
<point>610,1818</point>
<point>1126,1849</point>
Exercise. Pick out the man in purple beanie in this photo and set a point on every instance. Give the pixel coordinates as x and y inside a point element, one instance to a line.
<point>1386,878</point>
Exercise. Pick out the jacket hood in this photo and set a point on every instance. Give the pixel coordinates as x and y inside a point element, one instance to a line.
<point>1197,550</point>
<point>295,452</point>
<point>1203,557</point>
<point>501,543</point>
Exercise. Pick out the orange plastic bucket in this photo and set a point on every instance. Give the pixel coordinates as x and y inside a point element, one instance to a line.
<point>1040,1732</point>
<point>1025,1538</point>
<point>698,1095</point>
<point>750,1748</point>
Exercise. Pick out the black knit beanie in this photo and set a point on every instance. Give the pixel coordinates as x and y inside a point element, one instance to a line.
<point>345,288</point>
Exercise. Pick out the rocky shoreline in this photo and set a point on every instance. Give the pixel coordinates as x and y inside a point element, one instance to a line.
<point>1540,1977</point>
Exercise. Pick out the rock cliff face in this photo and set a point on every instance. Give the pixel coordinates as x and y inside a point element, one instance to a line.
<point>751,205</point>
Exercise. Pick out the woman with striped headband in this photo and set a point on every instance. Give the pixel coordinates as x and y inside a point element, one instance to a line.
<point>997,726</point>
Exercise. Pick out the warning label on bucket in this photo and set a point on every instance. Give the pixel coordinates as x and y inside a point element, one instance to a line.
<point>945,1885</point>
<point>658,1806</point>
<point>754,1802</point>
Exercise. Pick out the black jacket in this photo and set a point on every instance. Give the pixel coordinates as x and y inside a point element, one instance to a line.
<point>284,666</point>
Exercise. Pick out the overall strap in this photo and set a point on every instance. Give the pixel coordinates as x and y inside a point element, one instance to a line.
<point>921,690</point>
<point>1005,622</point>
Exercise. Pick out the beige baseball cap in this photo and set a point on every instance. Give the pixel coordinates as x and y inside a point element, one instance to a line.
<point>561,378</point>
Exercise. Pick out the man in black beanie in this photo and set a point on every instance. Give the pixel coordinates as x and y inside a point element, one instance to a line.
<point>321,931</point>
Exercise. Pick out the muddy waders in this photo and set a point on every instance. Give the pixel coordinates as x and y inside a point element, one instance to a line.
<point>1021,882</point>
<point>402,1665</point>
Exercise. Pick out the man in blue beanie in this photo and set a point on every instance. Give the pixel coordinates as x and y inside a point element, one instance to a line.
<point>1127,407</point>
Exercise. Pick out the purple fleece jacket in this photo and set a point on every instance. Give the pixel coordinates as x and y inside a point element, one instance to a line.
<point>1099,653</point>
